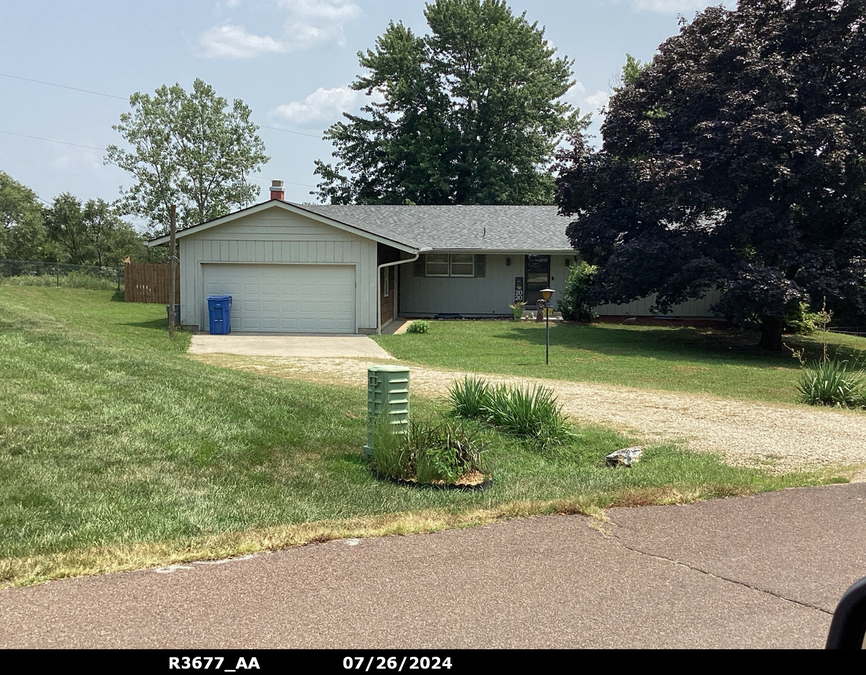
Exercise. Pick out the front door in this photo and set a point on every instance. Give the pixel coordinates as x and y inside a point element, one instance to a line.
<point>537,277</point>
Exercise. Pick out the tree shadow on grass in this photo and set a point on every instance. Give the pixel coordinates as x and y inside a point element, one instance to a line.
<point>668,344</point>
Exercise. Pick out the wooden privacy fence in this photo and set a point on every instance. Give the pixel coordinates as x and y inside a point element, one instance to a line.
<point>148,282</point>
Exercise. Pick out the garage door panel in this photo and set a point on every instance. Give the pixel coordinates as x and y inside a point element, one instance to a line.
<point>286,298</point>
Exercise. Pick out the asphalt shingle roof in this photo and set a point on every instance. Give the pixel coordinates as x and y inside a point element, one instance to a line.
<point>482,228</point>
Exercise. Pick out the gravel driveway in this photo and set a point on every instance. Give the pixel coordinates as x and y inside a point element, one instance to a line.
<point>775,437</point>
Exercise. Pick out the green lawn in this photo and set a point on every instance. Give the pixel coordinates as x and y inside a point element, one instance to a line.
<point>117,451</point>
<point>724,363</point>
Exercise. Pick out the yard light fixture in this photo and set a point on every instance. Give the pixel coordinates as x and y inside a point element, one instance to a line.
<point>547,293</point>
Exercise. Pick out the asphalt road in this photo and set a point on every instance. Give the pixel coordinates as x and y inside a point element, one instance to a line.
<point>752,572</point>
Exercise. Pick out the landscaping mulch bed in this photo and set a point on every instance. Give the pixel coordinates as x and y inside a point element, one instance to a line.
<point>469,481</point>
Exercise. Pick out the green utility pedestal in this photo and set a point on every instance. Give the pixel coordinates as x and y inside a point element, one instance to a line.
<point>388,399</point>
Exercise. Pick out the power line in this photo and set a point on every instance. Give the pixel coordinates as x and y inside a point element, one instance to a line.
<point>99,93</point>
<point>63,86</point>
<point>52,140</point>
<point>287,131</point>
<point>93,147</point>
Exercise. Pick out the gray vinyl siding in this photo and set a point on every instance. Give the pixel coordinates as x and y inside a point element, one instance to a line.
<point>690,308</point>
<point>276,236</point>
<point>487,296</point>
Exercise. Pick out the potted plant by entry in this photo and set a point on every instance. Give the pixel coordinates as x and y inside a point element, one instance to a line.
<point>517,308</point>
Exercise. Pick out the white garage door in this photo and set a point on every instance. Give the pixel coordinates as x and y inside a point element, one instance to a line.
<point>285,298</point>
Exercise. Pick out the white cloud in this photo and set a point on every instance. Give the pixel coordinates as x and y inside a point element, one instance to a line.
<point>574,93</point>
<point>322,10</point>
<point>322,104</point>
<point>235,43</point>
<point>305,24</point>
<point>312,22</point>
<point>76,160</point>
<point>598,100</point>
<point>677,6</point>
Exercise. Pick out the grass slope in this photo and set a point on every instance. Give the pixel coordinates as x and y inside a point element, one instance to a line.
<point>117,451</point>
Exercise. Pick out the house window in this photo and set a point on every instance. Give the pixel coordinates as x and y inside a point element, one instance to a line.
<point>385,288</point>
<point>462,265</point>
<point>451,265</point>
<point>437,265</point>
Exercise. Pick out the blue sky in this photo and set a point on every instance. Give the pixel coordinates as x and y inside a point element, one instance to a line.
<point>290,61</point>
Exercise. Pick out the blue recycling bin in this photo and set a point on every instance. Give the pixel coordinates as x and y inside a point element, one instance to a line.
<point>219,309</point>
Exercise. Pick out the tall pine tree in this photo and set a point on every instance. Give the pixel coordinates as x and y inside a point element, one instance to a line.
<point>471,113</point>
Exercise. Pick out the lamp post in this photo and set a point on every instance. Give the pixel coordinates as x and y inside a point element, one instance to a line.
<point>546,293</point>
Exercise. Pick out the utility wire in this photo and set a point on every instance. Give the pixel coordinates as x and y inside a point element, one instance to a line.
<point>51,140</point>
<point>63,86</point>
<point>99,93</point>
<point>93,147</point>
<point>286,131</point>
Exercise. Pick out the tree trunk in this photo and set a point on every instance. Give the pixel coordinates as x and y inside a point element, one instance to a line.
<point>771,333</point>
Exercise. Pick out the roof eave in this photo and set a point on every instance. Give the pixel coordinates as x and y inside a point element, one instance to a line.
<point>294,208</point>
<point>503,251</point>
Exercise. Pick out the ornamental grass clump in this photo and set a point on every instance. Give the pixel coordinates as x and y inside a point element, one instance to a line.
<point>470,397</point>
<point>445,453</point>
<point>532,412</point>
<point>832,382</point>
<point>391,455</point>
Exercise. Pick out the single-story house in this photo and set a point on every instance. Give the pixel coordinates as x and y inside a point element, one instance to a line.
<point>301,268</point>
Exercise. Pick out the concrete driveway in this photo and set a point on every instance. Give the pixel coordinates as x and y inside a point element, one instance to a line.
<point>307,345</point>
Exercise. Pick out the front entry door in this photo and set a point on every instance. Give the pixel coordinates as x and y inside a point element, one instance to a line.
<point>537,277</point>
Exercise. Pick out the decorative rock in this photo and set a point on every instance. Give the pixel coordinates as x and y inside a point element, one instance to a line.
<point>624,457</point>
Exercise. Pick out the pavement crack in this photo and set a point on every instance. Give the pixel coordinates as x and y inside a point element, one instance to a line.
<point>722,578</point>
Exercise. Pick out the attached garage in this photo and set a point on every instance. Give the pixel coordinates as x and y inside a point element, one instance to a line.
<point>288,270</point>
<point>286,298</point>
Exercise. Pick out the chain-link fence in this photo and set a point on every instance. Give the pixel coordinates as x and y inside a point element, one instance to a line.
<point>35,273</point>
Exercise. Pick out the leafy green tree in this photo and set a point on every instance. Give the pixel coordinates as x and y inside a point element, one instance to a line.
<point>471,113</point>
<point>92,234</point>
<point>188,149</point>
<point>22,236</point>
<point>630,71</point>
<point>111,238</point>
<point>736,159</point>
<point>65,227</point>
